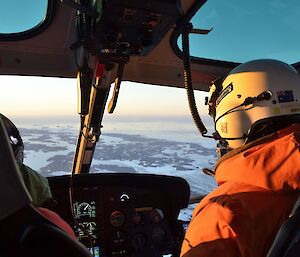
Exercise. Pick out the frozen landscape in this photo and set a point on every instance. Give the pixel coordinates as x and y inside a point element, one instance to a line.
<point>162,148</point>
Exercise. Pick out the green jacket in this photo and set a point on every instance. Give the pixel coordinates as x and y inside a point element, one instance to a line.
<point>37,185</point>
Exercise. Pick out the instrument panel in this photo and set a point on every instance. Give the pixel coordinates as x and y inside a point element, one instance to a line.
<point>123,215</point>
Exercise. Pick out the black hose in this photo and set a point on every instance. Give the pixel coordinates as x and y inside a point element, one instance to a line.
<point>188,79</point>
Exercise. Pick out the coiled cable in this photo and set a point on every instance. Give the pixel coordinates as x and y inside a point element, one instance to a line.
<point>188,80</point>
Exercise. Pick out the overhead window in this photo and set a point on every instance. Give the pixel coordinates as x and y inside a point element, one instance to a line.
<point>19,16</point>
<point>247,30</point>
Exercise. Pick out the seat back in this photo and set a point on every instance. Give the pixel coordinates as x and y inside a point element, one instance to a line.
<point>13,194</point>
<point>287,241</point>
<point>23,231</point>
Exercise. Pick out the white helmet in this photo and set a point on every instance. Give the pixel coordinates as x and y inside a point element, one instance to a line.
<point>253,92</point>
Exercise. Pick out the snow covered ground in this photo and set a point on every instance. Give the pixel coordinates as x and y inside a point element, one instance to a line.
<point>50,150</point>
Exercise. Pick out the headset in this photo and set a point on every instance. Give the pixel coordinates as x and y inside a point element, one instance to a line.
<point>13,134</point>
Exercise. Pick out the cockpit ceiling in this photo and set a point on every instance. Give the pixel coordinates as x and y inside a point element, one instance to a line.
<point>48,54</point>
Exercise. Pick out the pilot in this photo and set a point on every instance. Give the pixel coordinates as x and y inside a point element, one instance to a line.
<point>256,111</point>
<point>36,185</point>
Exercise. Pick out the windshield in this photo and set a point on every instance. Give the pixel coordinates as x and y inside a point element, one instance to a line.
<point>146,133</point>
<point>247,30</point>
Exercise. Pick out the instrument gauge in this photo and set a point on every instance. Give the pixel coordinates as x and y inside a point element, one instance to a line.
<point>86,229</point>
<point>158,234</point>
<point>119,237</point>
<point>84,209</point>
<point>156,215</point>
<point>117,219</point>
<point>139,241</point>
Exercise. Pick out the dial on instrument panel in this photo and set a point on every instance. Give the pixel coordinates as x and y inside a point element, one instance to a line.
<point>84,229</point>
<point>84,209</point>
<point>158,234</point>
<point>156,215</point>
<point>117,219</point>
<point>119,238</point>
<point>138,241</point>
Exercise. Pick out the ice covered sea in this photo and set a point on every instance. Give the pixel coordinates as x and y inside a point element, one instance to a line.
<point>170,146</point>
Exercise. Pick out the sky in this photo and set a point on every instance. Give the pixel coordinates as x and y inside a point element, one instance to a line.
<point>19,15</point>
<point>247,30</point>
<point>37,96</point>
<point>242,30</point>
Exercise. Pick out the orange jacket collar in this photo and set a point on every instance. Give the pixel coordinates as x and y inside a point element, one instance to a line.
<point>271,162</point>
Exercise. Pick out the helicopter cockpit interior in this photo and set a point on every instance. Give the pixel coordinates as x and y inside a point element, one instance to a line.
<point>106,42</point>
<point>102,43</point>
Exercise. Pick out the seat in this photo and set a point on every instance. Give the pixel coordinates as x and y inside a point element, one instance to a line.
<point>287,241</point>
<point>23,231</point>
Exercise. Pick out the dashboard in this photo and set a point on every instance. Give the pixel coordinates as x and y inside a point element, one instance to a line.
<point>123,215</point>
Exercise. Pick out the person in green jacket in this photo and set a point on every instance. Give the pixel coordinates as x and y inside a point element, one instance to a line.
<point>36,185</point>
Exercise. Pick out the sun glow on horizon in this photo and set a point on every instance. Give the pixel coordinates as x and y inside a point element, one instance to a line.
<point>45,97</point>
<point>37,96</point>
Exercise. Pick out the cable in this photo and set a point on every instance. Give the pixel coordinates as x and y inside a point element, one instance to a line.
<point>228,112</point>
<point>188,80</point>
<point>89,129</point>
<point>264,96</point>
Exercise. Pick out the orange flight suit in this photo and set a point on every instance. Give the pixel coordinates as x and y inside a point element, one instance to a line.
<point>258,186</point>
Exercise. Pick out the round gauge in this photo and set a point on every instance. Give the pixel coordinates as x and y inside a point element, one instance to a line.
<point>117,219</point>
<point>84,229</point>
<point>119,238</point>
<point>138,241</point>
<point>158,234</point>
<point>84,209</point>
<point>156,215</point>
